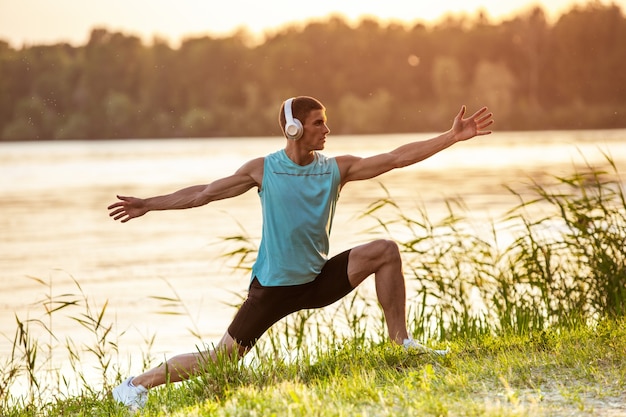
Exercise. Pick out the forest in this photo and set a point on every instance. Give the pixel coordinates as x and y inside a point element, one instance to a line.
<point>373,77</point>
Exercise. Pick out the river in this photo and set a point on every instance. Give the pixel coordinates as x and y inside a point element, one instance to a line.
<point>55,227</point>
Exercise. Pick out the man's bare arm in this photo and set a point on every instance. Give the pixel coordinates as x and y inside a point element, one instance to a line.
<point>246,177</point>
<point>354,168</point>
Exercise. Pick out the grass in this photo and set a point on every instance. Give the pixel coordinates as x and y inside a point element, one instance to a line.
<point>580,371</point>
<point>509,375</point>
<point>536,323</point>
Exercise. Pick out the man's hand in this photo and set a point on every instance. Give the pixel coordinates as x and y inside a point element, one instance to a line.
<point>475,125</point>
<point>127,208</point>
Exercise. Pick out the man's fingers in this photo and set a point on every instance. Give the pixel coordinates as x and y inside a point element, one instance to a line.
<point>119,203</point>
<point>122,215</point>
<point>116,212</point>
<point>484,118</point>
<point>479,112</point>
<point>484,122</point>
<point>120,209</point>
<point>114,205</point>
<point>480,129</point>
<point>461,112</point>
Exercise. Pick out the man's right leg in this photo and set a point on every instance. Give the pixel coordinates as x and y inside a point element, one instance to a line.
<point>185,366</point>
<point>263,307</point>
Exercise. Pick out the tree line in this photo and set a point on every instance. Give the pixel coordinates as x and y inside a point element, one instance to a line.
<point>373,78</point>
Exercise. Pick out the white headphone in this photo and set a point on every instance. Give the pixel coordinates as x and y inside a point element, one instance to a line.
<point>293,126</point>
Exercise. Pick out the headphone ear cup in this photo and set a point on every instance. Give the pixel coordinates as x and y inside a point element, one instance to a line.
<point>294,129</point>
<point>293,126</point>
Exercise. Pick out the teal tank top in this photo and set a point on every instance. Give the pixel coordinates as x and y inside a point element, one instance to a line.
<point>298,205</point>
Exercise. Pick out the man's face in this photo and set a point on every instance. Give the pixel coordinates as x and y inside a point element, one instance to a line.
<point>315,130</point>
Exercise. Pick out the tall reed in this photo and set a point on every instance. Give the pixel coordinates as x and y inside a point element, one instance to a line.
<point>566,261</point>
<point>555,260</point>
<point>44,368</point>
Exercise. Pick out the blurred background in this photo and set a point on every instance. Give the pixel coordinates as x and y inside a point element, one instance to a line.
<point>72,70</point>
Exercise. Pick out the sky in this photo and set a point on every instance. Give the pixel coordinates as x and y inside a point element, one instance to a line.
<point>29,22</point>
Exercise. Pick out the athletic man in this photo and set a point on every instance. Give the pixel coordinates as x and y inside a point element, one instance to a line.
<point>298,188</point>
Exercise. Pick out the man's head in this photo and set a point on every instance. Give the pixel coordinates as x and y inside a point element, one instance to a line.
<point>301,106</point>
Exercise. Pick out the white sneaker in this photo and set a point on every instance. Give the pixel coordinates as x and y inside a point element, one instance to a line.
<point>130,395</point>
<point>411,344</point>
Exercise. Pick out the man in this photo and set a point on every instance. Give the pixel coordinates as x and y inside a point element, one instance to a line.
<point>298,188</point>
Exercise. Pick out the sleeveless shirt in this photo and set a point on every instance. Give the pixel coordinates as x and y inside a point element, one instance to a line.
<point>298,205</point>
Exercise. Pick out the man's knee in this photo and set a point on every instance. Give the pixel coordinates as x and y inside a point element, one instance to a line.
<point>371,258</point>
<point>383,252</point>
<point>388,250</point>
<point>228,345</point>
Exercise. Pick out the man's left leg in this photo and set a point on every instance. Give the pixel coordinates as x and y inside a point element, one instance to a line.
<point>382,258</point>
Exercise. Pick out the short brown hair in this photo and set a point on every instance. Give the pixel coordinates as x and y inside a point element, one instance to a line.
<point>301,106</point>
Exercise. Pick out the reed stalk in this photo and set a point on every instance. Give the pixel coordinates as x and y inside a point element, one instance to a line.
<point>556,261</point>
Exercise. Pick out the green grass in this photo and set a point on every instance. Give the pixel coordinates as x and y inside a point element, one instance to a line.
<point>580,371</point>
<point>536,324</point>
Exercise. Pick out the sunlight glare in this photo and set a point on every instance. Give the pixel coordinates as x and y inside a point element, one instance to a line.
<point>71,21</point>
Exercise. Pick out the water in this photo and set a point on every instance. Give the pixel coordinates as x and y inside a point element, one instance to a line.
<point>55,226</point>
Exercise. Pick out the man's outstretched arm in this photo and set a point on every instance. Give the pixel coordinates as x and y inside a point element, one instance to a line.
<point>246,177</point>
<point>355,168</point>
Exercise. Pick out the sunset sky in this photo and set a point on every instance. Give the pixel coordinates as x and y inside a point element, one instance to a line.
<point>27,22</point>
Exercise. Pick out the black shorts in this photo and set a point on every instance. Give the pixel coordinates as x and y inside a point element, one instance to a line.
<point>264,306</point>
